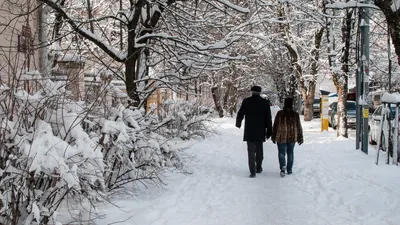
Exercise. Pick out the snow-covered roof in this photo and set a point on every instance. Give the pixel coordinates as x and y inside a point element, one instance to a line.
<point>333,95</point>
<point>391,97</point>
<point>31,75</point>
<point>351,4</point>
<point>118,92</point>
<point>69,58</point>
<point>379,91</point>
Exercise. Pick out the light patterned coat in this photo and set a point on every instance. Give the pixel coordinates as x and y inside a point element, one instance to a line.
<point>287,127</point>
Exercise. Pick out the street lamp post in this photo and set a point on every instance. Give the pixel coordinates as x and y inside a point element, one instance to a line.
<point>364,74</point>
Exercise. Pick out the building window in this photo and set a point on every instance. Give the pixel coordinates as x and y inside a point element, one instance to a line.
<point>25,42</point>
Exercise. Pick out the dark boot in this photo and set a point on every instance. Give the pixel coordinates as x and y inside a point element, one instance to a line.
<point>283,173</point>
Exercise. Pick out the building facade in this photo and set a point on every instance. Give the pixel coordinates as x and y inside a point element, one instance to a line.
<point>19,54</point>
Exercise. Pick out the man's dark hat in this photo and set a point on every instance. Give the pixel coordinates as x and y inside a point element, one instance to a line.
<point>288,103</point>
<point>256,88</point>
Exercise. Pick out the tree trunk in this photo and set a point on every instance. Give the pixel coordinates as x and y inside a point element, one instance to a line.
<point>200,87</point>
<point>310,93</point>
<point>308,96</point>
<point>281,84</point>
<point>131,65</point>
<point>196,88</point>
<point>90,15</point>
<point>342,84</point>
<point>342,111</point>
<point>293,86</point>
<point>227,94</point>
<point>146,54</point>
<point>216,97</point>
<point>42,15</point>
<point>130,75</point>
<point>298,81</point>
<point>341,79</point>
<point>58,23</point>
<point>233,100</point>
<point>187,91</point>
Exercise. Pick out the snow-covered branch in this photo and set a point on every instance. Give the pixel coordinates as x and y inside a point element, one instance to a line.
<point>351,4</point>
<point>112,52</point>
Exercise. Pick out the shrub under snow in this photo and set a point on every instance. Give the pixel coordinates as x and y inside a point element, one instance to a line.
<point>52,148</point>
<point>184,119</point>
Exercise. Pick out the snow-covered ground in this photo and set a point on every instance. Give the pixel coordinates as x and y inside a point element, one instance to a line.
<point>331,184</point>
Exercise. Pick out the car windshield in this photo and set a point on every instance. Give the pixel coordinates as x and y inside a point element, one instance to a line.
<point>393,111</point>
<point>351,106</point>
<point>316,101</point>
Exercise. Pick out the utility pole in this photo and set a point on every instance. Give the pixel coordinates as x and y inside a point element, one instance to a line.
<point>390,61</point>
<point>358,107</point>
<point>358,91</point>
<point>364,26</point>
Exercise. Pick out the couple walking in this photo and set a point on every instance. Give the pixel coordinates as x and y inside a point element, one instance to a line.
<point>285,132</point>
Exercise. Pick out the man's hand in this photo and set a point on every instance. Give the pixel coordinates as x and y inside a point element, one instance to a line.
<point>300,142</point>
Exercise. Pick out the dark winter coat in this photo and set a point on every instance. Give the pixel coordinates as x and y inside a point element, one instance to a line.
<point>287,127</point>
<point>258,123</point>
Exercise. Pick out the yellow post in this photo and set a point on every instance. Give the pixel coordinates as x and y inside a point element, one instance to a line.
<point>365,113</point>
<point>324,112</point>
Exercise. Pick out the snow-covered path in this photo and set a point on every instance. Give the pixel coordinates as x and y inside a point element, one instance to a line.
<point>331,184</point>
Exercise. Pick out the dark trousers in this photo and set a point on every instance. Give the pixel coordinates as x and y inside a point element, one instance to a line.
<point>284,148</point>
<point>255,155</point>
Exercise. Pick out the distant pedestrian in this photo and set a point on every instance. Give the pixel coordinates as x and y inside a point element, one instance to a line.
<point>258,126</point>
<point>286,132</point>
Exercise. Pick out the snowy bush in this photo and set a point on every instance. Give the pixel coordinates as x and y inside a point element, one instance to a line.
<point>45,154</point>
<point>184,119</point>
<point>53,149</point>
<point>132,150</point>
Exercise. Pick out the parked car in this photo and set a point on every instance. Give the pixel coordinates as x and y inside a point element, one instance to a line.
<point>374,99</point>
<point>374,125</point>
<point>316,107</point>
<point>384,136</point>
<point>351,114</point>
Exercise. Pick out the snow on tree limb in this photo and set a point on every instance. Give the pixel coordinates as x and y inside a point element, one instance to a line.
<point>112,52</point>
<point>233,6</point>
<point>351,4</point>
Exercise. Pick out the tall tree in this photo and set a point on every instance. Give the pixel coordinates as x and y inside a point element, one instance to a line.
<point>161,25</point>
<point>302,34</point>
<point>341,77</point>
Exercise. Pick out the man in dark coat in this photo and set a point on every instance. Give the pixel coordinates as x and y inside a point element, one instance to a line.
<point>257,127</point>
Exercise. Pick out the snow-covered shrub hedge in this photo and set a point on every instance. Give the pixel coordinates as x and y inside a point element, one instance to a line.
<point>132,150</point>
<point>52,149</point>
<point>45,154</point>
<point>184,119</point>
